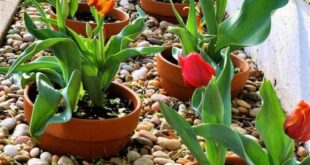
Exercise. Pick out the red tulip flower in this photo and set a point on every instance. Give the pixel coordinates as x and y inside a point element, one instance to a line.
<point>102,6</point>
<point>297,125</point>
<point>196,71</point>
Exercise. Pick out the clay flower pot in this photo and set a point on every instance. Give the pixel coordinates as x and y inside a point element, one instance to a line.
<point>91,139</point>
<point>110,28</point>
<point>171,79</point>
<point>163,11</point>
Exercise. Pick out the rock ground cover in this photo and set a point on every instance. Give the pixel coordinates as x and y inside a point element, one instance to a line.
<point>154,141</point>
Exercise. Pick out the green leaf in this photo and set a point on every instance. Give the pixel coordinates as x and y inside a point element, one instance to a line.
<point>40,34</point>
<point>177,15</point>
<point>45,105</point>
<point>245,147</point>
<point>65,50</point>
<point>220,9</point>
<point>211,23</point>
<point>129,33</point>
<point>305,161</point>
<point>249,26</point>
<point>224,85</point>
<point>191,24</point>
<point>186,132</point>
<point>176,52</point>
<point>73,7</point>
<point>212,110</point>
<point>89,30</point>
<point>269,122</point>
<point>70,95</point>
<point>188,43</point>
<point>92,82</point>
<point>112,64</point>
<point>196,100</point>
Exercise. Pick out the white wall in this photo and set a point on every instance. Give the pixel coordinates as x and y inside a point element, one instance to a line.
<point>285,56</point>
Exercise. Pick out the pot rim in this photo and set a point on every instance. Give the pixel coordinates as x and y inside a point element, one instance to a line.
<point>116,10</point>
<point>135,109</point>
<point>244,69</point>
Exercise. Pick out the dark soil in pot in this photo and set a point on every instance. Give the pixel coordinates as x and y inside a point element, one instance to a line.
<point>84,16</point>
<point>114,107</point>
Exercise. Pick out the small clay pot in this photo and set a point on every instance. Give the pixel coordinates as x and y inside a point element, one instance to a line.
<point>90,139</point>
<point>163,11</point>
<point>110,28</point>
<point>171,79</point>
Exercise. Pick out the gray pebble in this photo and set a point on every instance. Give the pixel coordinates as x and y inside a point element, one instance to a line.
<point>143,161</point>
<point>65,161</point>
<point>34,152</point>
<point>36,161</point>
<point>10,150</point>
<point>9,123</point>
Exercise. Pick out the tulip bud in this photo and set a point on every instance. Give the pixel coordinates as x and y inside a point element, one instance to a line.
<point>196,71</point>
<point>102,6</point>
<point>297,124</point>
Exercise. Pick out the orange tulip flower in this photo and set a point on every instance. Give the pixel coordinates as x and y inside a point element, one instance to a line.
<point>297,125</point>
<point>102,6</point>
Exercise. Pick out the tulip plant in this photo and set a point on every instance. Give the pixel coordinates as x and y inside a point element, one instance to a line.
<point>80,65</point>
<point>271,124</point>
<point>248,27</point>
<point>212,99</point>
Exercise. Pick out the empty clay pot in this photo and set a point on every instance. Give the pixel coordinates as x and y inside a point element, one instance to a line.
<point>110,28</point>
<point>171,79</point>
<point>163,11</point>
<point>90,139</point>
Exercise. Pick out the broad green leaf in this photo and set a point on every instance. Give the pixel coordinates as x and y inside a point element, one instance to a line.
<point>186,132</point>
<point>188,43</point>
<point>40,34</point>
<point>92,83</point>
<point>177,15</point>
<point>89,30</point>
<point>73,7</point>
<point>212,110</point>
<point>208,11</point>
<point>246,148</point>
<point>45,105</point>
<point>61,17</point>
<point>128,33</point>
<point>224,85</point>
<point>212,107</point>
<point>65,50</point>
<point>196,100</point>
<point>112,64</point>
<point>269,122</point>
<point>70,95</point>
<point>305,161</point>
<point>176,52</point>
<point>191,24</point>
<point>249,26</point>
<point>220,9</point>
<point>40,10</point>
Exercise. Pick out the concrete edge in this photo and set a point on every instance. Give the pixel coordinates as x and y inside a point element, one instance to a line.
<point>7,10</point>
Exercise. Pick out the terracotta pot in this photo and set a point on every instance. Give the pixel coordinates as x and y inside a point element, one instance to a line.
<point>90,139</point>
<point>163,11</point>
<point>171,79</point>
<point>110,28</point>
